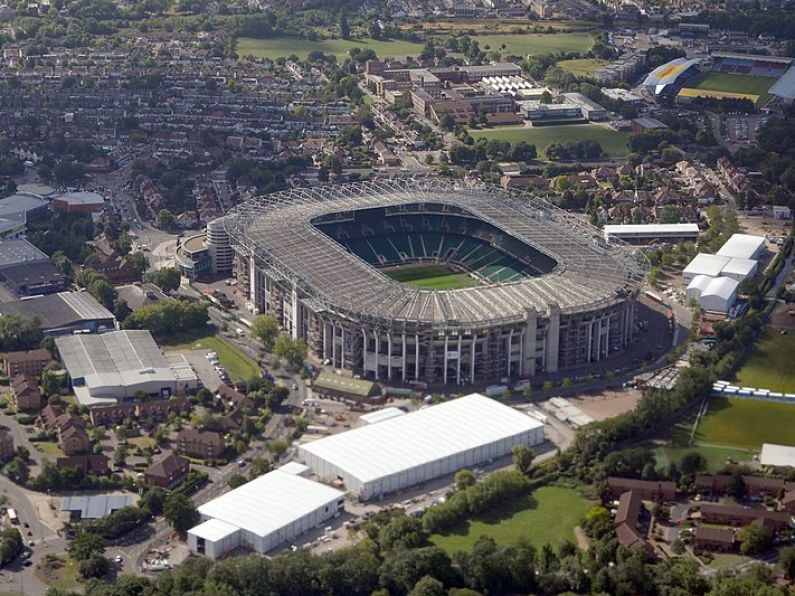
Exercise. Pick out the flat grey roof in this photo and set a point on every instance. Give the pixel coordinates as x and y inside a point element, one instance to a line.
<point>20,203</point>
<point>110,353</point>
<point>18,250</point>
<point>57,311</point>
<point>95,506</point>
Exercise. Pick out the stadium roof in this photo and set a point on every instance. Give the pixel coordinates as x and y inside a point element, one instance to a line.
<point>118,358</point>
<point>667,74</point>
<point>398,444</point>
<point>18,250</point>
<point>742,246</point>
<point>277,230</point>
<point>58,311</point>
<point>785,86</point>
<point>268,503</point>
<point>777,455</point>
<point>754,57</point>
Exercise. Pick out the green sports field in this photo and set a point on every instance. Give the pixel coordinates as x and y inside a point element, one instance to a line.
<point>536,44</point>
<point>747,423</point>
<point>547,515</point>
<point>733,85</point>
<point>770,365</point>
<point>582,67</point>
<point>613,142</point>
<point>430,277</point>
<point>285,46</point>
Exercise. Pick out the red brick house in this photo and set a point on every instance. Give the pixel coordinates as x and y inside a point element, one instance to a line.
<point>714,539</point>
<point>168,472</point>
<point>30,362</point>
<point>654,490</point>
<point>204,444</point>
<point>90,464</point>
<point>26,392</point>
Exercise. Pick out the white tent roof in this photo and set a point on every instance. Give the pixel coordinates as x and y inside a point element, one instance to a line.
<point>741,246</point>
<point>700,283</point>
<point>398,444</point>
<point>723,287</point>
<point>214,530</point>
<point>704,264</point>
<point>381,415</point>
<point>777,455</point>
<point>736,266</point>
<point>270,502</point>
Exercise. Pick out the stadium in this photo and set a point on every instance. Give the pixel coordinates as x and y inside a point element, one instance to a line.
<point>666,80</point>
<point>737,76</point>
<point>431,281</point>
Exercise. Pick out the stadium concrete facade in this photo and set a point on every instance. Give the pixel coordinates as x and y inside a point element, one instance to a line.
<point>550,294</point>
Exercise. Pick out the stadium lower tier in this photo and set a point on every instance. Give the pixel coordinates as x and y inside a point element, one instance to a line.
<point>399,351</point>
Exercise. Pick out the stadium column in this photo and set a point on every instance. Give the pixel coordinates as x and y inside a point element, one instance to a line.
<point>342,346</point>
<point>294,307</point>
<point>528,361</point>
<point>458,362</point>
<point>333,345</point>
<point>590,339</point>
<point>553,339</point>
<point>364,351</point>
<point>508,352</point>
<point>472,358</point>
<point>388,356</point>
<point>403,357</point>
<point>607,336</point>
<point>445,357</point>
<point>416,356</point>
<point>377,354</point>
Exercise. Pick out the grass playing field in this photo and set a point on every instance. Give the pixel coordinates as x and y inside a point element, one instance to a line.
<point>746,423</point>
<point>732,85</point>
<point>613,142</point>
<point>430,277</point>
<point>285,46</point>
<point>547,515</point>
<point>536,44</point>
<point>582,67</point>
<point>770,364</point>
<point>239,366</point>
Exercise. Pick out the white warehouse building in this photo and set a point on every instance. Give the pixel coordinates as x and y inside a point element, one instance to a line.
<point>264,513</point>
<point>384,457</point>
<point>719,295</point>
<point>743,246</point>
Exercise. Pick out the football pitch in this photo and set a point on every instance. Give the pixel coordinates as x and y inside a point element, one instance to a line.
<point>746,423</point>
<point>430,277</point>
<point>730,85</point>
<point>770,364</point>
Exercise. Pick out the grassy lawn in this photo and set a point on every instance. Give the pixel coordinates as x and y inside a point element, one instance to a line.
<point>746,423</point>
<point>59,572</point>
<point>142,442</point>
<point>48,448</point>
<point>432,277</point>
<point>237,364</point>
<point>285,46</point>
<point>726,85</point>
<point>536,44</point>
<point>726,561</point>
<point>548,514</point>
<point>770,364</point>
<point>583,67</point>
<point>613,142</point>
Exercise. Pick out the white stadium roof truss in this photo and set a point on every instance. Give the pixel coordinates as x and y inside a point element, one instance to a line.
<point>277,230</point>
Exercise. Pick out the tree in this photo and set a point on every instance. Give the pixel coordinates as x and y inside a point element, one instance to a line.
<point>180,512</point>
<point>447,122</point>
<point>464,479</point>
<point>10,544</point>
<point>120,456</point>
<point>153,500</point>
<point>692,462</point>
<point>94,566</point>
<point>167,278</point>
<point>166,220</point>
<point>139,263</point>
<point>236,480</point>
<point>754,539</point>
<point>547,386</point>
<point>345,29</point>
<point>291,350</point>
<point>523,458</point>
<point>428,586</point>
<point>265,328</point>
<point>85,545</point>
<point>786,557</point>
<point>17,470</point>
<point>736,486</point>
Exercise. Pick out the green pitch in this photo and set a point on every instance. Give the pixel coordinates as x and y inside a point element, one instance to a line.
<point>770,365</point>
<point>734,83</point>
<point>430,277</point>
<point>547,515</point>
<point>613,142</point>
<point>746,423</point>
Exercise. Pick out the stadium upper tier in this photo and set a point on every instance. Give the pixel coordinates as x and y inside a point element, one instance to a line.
<point>668,74</point>
<point>560,260</point>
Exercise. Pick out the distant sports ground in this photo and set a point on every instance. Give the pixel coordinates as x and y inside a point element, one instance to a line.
<point>727,85</point>
<point>770,365</point>
<point>746,423</point>
<point>613,142</point>
<point>430,277</point>
<point>582,67</point>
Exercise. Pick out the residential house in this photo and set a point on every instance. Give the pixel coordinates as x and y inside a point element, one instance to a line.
<point>30,362</point>
<point>204,444</point>
<point>26,392</point>
<point>630,506</point>
<point>72,434</point>
<point>654,490</point>
<point>736,515</point>
<point>168,472</point>
<point>714,539</point>
<point>89,464</point>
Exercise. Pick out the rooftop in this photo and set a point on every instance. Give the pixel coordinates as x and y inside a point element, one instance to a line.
<point>327,380</point>
<point>57,311</point>
<point>18,250</point>
<point>742,246</point>
<point>95,506</point>
<point>268,503</point>
<point>81,198</point>
<point>777,455</point>
<point>430,434</point>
